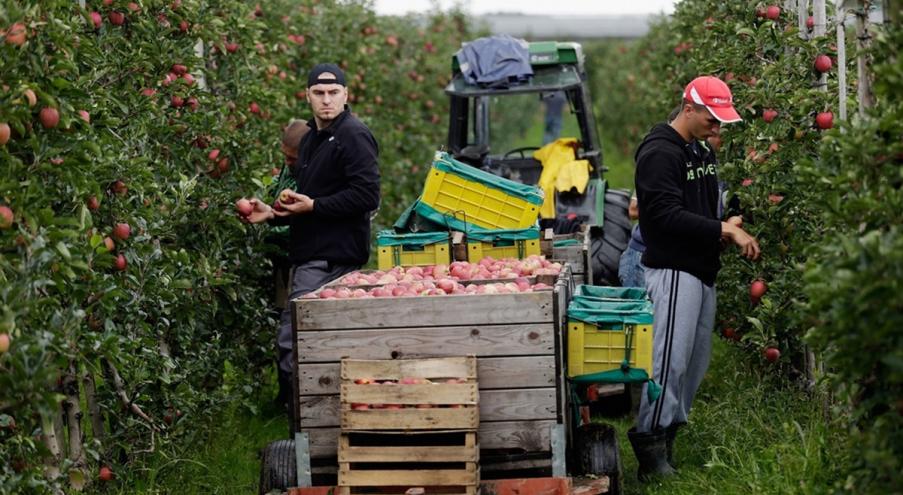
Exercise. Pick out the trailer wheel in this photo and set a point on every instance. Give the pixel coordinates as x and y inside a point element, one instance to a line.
<point>597,453</point>
<point>278,468</point>
<point>611,240</point>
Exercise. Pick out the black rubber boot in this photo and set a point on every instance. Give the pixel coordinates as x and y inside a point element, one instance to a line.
<point>651,451</point>
<point>670,434</point>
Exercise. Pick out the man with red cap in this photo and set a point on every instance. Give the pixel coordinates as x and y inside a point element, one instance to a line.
<point>677,190</point>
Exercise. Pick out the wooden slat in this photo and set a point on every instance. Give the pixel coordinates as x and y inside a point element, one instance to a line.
<point>399,343</point>
<point>439,393</point>
<point>501,372</point>
<point>527,436</point>
<point>447,453</point>
<point>396,369</point>
<point>419,477</point>
<point>386,312</point>
<point>396,419</point>
<point>495,405</point>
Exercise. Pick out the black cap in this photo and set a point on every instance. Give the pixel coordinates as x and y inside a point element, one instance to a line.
<point>314,78</point>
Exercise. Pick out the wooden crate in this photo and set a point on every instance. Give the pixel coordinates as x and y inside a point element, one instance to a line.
<point>374,395</point>
<point>516,339</point>
<point>578,256</point>
<point>443,462</point>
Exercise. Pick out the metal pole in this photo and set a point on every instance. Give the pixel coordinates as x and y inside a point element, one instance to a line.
<point>841,64</point>
<point>802,14</point>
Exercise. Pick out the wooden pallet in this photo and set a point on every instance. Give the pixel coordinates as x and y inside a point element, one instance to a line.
<point>439,462</point>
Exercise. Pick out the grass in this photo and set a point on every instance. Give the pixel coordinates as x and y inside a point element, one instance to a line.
<point>749,432</point>
<point>223,461</point>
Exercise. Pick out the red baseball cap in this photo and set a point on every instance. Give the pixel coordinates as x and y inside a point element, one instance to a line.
<point>715,95</point>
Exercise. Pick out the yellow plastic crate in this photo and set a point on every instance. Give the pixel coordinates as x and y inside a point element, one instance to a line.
<point>592,349</point>
<point>433,254</point>
<point>520,249</point>
<point>455,193</point>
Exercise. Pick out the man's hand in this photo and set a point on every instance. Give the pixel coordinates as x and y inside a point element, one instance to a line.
<point>749,246</point>
<point>736,221</point>
<point>294,203</point>
<point>261,212</point>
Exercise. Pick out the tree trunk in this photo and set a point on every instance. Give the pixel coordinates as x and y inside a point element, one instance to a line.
<point>94,412</point>
<point>73,411</point>
<point>863,45</point>
<point>841,65</point>
<point>52,442</point>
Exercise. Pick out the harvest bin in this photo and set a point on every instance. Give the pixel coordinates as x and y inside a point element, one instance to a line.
<point>607,325</point>
<point>461,197</point>
<point>420,249</point>
<point>502,243</point>
<point>515,337</point>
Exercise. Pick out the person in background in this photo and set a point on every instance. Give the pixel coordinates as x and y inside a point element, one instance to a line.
<point>554,103</point>
<point>337,186</point>
<point>678,196</point>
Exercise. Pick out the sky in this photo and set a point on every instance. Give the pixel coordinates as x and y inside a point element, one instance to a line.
<point>570,7</point>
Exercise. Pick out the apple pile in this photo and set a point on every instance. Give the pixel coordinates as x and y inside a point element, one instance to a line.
<point>435,287</point>
<point>487,268</point>
<point>408,380</point>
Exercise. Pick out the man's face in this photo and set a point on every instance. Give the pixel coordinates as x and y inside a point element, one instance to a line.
<point>703,124</point>
<point>291,155</point>
<point>327,100</point>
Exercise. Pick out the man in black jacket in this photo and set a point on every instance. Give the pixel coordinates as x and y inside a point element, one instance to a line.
<point>677,189</point>
<point>328,212</point>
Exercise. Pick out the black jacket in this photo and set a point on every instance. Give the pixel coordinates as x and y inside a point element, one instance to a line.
<point>336,167</point>
<point>677,190</point>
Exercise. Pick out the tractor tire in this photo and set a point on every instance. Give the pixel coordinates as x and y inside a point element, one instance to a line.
<point>611,240</point>
<point>597,454</point>
<point>278,467</point>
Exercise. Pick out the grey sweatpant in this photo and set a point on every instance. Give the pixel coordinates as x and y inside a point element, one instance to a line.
<point>305,278</point>
<point>682,344</point>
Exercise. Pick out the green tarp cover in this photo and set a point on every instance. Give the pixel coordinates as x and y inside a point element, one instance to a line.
<point>446,163</point>
<point>610,292</point>
<point>611,314</point>
<point>503,235</point>
<point>390,238</point>
<point>566,243</point>
<point>411,221</point>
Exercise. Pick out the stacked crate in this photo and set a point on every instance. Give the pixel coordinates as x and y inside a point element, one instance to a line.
<point>573,249</point>
<point>409,423</point>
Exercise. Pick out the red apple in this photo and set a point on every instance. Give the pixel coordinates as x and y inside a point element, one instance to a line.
<point>183,26</point>
<point>120,263</point>
<point>244,207</point>
<point>231,47</point>
<point>730,334</point>
<point>769,114</point>
<point>176,101</point>
<point>746,182</point>
<point>810,22</point>
<point>85,116</point>
<point>16,34</point>
<point>31,97</point>
<point>120,188</point>
<point>392,40</point>
<point>148,92</point>
<point>49,117</point>
<point>116,18</point>
<point>213,155</point>
<point>4,343</point>
<point>106,474</point>
<point>360,407</point>
<point>772,354</point>
<point>122,231</point>
<point>93,203</point>
<point>773,12</point>
<point>4,133</point>
<point>254,108</point>
<point>775,198</point>
<point>96,19</point>
<point>824,120</point>
<point>133,7</point>
<point>188,78</point>
<point>6,217</point>
<point>757,290</point>
<point>823,63</point>
<point>109,244</point>
<point>179,69</point>
<point>363,381</point>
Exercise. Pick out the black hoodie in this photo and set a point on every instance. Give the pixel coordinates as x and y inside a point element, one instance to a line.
<point>677,190</point>
<point>337,167</point>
